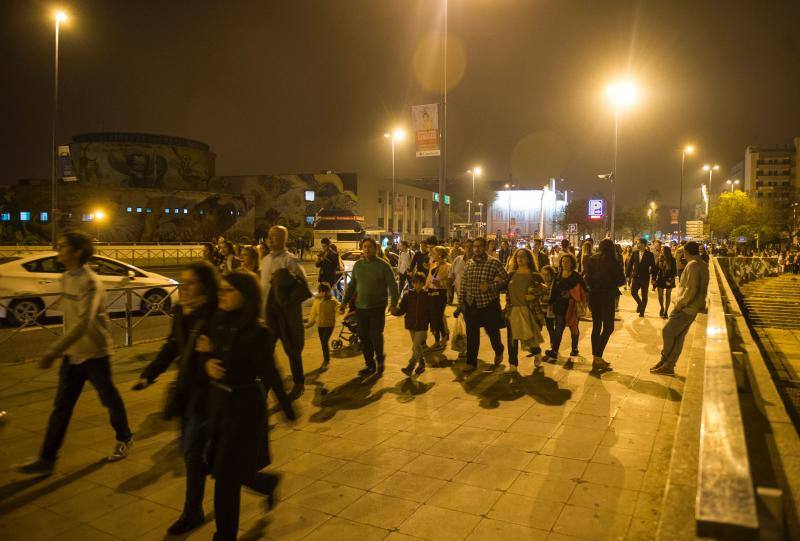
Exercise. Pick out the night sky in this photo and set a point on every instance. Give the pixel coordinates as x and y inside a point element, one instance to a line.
<point>305,85</point>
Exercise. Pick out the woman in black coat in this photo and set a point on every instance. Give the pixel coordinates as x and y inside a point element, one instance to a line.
<point>604,276</point>
<point>242,369</point>
<point>188,395</point>
<point>664,281</point>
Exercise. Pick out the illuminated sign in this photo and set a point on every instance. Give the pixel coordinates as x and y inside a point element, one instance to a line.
<point>596,209</point>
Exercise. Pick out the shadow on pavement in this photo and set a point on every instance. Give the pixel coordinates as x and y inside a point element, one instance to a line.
<point>167,459</point>
<point>652,388</point>
<point>493,385</point>
<point>153,425</point>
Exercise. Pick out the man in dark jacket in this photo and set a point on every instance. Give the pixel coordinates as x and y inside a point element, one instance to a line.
<point>539,258</point>
<point>641,269</point>
<point>328,263</point>
<point>421,262</point>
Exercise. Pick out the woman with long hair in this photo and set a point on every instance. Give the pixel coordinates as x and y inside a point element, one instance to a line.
<point>437,283</point>
<point>250,260</point>
<point>583,258</point>
<point>239,362</point>
<point>604,276</point>
<point>567,297</point>
<point>627,252</point>
<point>228,260</point>
<point>191,317</point>
<point>666,271</point>
<point>525,287</point>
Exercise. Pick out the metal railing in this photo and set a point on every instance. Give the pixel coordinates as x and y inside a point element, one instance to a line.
<point>742,270</point>
<point>142,256</point>
<point>138,306</point>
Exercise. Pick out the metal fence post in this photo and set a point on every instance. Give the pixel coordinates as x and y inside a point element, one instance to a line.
<point>128,317</point>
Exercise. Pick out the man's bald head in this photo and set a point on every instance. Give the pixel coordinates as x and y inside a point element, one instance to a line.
<point>276,238</point>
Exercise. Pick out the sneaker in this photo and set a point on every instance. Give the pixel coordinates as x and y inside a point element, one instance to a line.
<point>537,361</point>
<point>37,466</point>
<point>569,364</point>
<point>656,366</point>
<point>366,371</point>
<point>498,359</point>
<point>408,370</point>
<point>186,523</point>
<point>551,356</point>
<point>121,450</point>
<point>601,366</point>
<point>420,369</point>
<point>664,370</point>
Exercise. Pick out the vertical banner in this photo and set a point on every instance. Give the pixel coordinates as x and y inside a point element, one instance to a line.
<point>425,119</point>
<point>673,216</point>
<point>65,164</point>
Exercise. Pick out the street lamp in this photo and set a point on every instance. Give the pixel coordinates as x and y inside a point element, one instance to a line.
<point>622,94</point>
<point>475,171</point>
<point>469,211</point>
<point>480,218</point>
<point>397,135</point>
<point>58,18</point>
<point>509,187</point>
<point>710,169</point>
<point>651,213</point>
<point>731,183</point>
<point>98,216</point>
<point>688,149</point>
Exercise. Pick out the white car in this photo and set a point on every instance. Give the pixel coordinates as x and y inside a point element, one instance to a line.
<point>27,277</point>
<point>350,257</point>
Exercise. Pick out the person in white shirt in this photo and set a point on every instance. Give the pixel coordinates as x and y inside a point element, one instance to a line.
<point>285,321</point>
<point>404,265</point>
<point>86,349</point>
<point>459,263</point>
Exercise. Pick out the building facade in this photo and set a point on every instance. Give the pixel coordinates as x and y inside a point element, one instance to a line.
<point>771,174</point>
<point>526,213</point>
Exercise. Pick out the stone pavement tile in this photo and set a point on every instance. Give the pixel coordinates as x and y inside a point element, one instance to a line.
<point>339,529</point>
<point>135,519</point>
<point>474,434</point>
<point>642,529</point>
<point>325,496</point>
<point>332,428</point>
<point>582,434</point>
<point>539,486</point>
<point>562,537</point>
<point>465,498</point>
<point>42,492</point>
<point>533,428</point>
<point>577,450</point>
<point>426,427</point>
<point>437,524</point>
<point>630,411</point>
<point>488,421</point>
<point>604,498</point>
<point>558,467</point>
<point>171,493</point>
<point>586,420</point>
<point>342,449</point>
<point>313,465</point>
<point>593,525</point>
<point>386,456</point>
<point>410,486</point>
<point>535,513</point>
<point>435,466</point>
<point>487,476</point>
<point>634,426</point>
<point>496,530</point>
<point>91,504</point>
<point>452,447</point>
<point>451,416</point>
<point>411,441</point>
<point>642,442</point>
<point>544,413</point>
<point>504,456</point>
<point>286,523</point>
<point>357,475</point>
<point>379,510</point>
<point>629,458</point>
<point>44,522</point>
<point>83,533</point>
<point>521,441</point>
<point>369,434</point>
<point>392,421</point>
<point>648,506</point>
<point>614,476</point>
<point>305,441</point>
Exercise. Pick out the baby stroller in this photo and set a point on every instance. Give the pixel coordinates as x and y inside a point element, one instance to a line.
<point>348,333</point>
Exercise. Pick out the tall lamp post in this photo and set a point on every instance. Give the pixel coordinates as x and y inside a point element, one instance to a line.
<point>59,17</point>
<point>651,213</point>
<point>622,94</point>
<point>475,171</point>
<point>688,149</point>
<point>480,218</point>
<point>732,183</point>
<point>710,169</point>
<point>509,187</point>
<point>395,136</point>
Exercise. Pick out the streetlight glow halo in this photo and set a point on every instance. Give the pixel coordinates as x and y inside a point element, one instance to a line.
<point>623,93</point>
<point>60,16</point>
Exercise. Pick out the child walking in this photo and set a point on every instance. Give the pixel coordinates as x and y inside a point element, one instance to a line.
<point>323,313</point>
<point>416,306</point>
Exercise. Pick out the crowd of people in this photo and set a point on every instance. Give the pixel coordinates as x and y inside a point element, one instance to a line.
<point>237,303</point>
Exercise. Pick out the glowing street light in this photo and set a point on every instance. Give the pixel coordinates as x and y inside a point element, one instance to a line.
<point>622,94</point>
<point>397,135</point>
<point>59,17</point>
<point>731,183</point>
<point>688,149</point>
<point>710,169</point>
<point>98,216</point>
<point>475,171</point>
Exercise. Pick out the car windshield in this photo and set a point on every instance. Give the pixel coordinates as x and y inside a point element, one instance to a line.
<point>351,256</point>
<point>46,264</point>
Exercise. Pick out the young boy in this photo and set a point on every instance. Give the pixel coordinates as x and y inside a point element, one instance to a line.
<point>323,313</point>
<point>416,306</point>
<point>86,348</point>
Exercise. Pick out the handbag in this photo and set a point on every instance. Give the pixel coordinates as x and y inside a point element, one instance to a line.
<point>173,399</point>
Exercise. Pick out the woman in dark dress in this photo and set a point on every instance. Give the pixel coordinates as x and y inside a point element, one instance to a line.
<point>604,276</point>
<point>242,369</point>
<point>567,296</point>
<point>188,396</point>
<point>666,271</point>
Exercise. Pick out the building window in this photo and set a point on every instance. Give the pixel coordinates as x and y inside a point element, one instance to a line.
<point>149,211</point>
<point>186,211</point>
<point>177,211</point>
<point>5,217</point>
<point>24,216</point>
<point>309,220</point>
<point>130,209</point>
<point>139,209</point>
<point>310,195</point>
<point>44,216</point>
<point>87,217</point>
<point>202,212</point>
<point>166,211</point>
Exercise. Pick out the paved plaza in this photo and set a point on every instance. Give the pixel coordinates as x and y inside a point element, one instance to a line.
<point>561,454</point>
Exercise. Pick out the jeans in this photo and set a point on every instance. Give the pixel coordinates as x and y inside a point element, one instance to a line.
<point>550,323</point>
<point>227,497</point>
<point>636,287</point>
<point>417,343</point>
<point>438,320</point>
<point>674,333</point>
<point>324,336</point>
<point>194,437</point>
<point>561,324</point>
<point>662,301</point>
<point>71,378</point>
<point>489,318</point>
<point>603,308</point>
<point>371,322</point>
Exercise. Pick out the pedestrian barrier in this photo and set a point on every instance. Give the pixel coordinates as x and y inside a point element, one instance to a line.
<point>142,256</point>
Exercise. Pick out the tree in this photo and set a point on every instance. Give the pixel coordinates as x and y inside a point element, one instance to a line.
<point>736,214</point>
<point>632,221</point>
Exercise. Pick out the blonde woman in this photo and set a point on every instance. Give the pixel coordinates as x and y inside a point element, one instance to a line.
<point>437,284</point>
